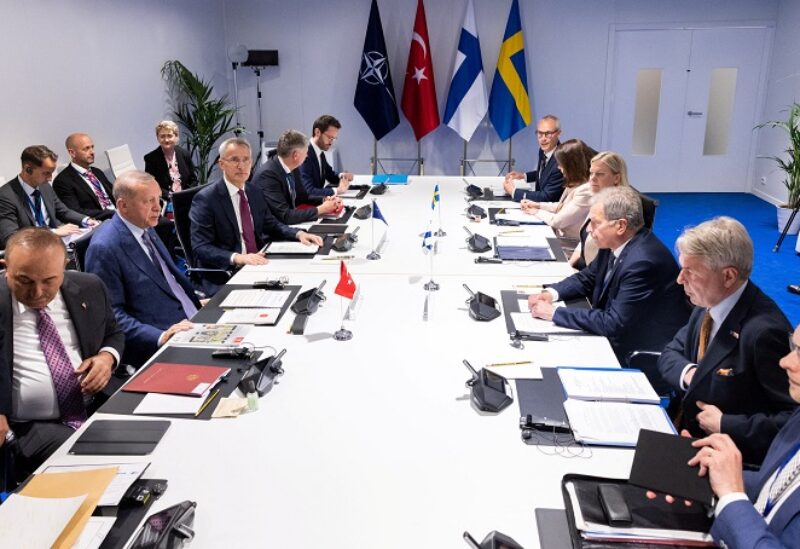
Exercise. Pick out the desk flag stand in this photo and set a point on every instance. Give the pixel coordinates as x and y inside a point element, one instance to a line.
<point>429,247</point>
<point>345,289</point>
<point>376,213</point>
<point>437,202</point>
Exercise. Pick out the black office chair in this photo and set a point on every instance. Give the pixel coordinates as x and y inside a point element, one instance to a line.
<point>181,205</point>
<point>77,250</point>
<point>649,206</point>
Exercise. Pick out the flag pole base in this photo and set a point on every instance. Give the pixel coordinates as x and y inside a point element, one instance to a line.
<point>440,232</point>
<point>373,255</point>
<point>342,335</point>
<point>431,286</point>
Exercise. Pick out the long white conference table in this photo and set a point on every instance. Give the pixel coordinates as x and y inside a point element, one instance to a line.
<point>373,442</point>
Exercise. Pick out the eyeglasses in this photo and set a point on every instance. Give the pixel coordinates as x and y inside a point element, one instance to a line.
<point>547,134</point>
<point>330,137</point>
<point>237,161</point>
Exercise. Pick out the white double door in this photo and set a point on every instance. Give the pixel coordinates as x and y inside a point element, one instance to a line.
<point>683,104</point>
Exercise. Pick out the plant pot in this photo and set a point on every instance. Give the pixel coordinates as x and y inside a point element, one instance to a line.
<point>783,218</point>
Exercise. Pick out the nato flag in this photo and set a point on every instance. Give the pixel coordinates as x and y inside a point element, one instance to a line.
<point>374,98</point>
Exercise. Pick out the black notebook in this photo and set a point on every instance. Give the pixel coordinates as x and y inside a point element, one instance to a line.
<point>120,438</point>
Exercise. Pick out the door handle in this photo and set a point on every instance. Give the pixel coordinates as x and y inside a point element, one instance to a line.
<point>694,113</point>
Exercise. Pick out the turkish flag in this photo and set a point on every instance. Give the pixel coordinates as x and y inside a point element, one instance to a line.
<point>346,286</point>
<point>419,90</point>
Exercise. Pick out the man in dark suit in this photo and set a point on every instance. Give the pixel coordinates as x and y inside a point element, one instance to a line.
<point>151,298</point>
<point>547,179</point>
<point>230,220</point>
<point>316,171</point>
<point>28,200</point>
<point>170,164</point>
<point>631,285</point>
<point>82,187</point>
<point>757,508</point>
<point>60,343</point>
<point>280,181</point>
<point>724,361</point>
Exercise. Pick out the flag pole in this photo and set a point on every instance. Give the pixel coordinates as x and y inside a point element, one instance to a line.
<point>342,334</point>
<point>432,286</point>
<point>440,232</point>
<point>373,255</point>
<point>374,163</point>
<point>510,160</point>
<point>419,159</point>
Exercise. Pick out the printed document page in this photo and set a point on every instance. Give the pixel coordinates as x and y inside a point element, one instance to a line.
<point>524,322</point>
<point>614,423</point>
<point>614,385</point>
<point>256,298</point>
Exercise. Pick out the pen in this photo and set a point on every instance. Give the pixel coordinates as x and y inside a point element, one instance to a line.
<point>510,363</point>
<point>501,211</point>
<point>512,232</point>
<point>207,402</point>
<point>338,257</point>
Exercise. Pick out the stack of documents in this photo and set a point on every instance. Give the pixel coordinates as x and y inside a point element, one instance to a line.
<point>261,299</point>
<point>524,322</point>
<point>293,247</point>
<point>211,335</point>
<point>610,407</point>
<point>175,388</point>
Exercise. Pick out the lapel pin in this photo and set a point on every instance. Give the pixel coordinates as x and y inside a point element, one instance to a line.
<point>84,306</point>
<point>735,334</point>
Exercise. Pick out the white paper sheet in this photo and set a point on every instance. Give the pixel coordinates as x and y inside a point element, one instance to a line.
<point>255,298</point>
<point>524,322</point>
<point>518,371</point>
<point>614,423</point>
<point>525,240</point>
<point>349,193</point>
<point>127,474</point>
<point>265,317</point>
<point>290,247</point>
<point>610,385</point>
<point>95,531</point>
<point>157,403</point>
<point>18,529</point>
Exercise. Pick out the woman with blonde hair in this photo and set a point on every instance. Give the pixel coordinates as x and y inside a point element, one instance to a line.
<point>568,214</point>
<point>170,164</point>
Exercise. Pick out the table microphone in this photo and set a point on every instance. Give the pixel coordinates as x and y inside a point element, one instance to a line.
<point>477,243</point>
<point>488,390</point>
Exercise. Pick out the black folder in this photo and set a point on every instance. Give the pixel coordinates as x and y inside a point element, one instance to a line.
<point>660,464</point>
<point>212,311</point>
<point>325,228</point>
<point>120,438</point>
<point>544,398</point>
<point>646,513</point>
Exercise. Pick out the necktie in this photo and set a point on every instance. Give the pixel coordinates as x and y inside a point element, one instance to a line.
<point>177,289</point>
<point>37,208</point>
<point>785,477</point>
<point>705,335</point>
<point>290,181</point>
<point>324,167</point>
<point>68,390</point>
<point>248,232</point>
<point>609,269</point>
<point>99,192</point>
<point>542,164</point>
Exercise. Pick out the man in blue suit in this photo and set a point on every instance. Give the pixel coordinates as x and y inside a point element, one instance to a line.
<point>315,170</point>
<point>725,360</point>
<point>635,300</point>
<point>757,508</point>
<point>230,220</point>
<point>151,298</point>
<point>547,179</point>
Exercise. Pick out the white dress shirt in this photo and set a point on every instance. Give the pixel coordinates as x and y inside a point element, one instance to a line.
<point>233,191</point>
<point>33,393</point>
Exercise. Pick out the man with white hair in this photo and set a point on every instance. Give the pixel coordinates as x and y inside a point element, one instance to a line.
<point>631,285</point>
<point>725,360</point>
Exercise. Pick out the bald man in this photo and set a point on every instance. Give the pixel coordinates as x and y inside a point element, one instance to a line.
<point>80,186</point>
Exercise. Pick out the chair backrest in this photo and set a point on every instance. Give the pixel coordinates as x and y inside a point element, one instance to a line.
<point>78,248</point>
<point>120,159</point>
<point>181,204</point>
<point>649,206</point>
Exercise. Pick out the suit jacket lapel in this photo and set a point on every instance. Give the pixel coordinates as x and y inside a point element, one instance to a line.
<point>138,256</point>
<point>615,269</point>
<point>48,199</point>
<point>81,184</point>
<point>78,309</point>
<point>724,341</point>
<point>23,199</point>
<point>8,314</point>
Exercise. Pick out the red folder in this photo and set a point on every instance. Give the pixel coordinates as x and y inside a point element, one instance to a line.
<point>177,379</point>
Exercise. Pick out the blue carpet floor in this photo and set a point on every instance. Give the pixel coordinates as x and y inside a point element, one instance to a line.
<point>772,272</point>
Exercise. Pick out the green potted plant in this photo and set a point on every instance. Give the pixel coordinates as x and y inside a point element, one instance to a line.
<point>789,165</point>
<point>204,119</point>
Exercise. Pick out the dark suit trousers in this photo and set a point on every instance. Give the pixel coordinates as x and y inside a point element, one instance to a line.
<point>35,441</point>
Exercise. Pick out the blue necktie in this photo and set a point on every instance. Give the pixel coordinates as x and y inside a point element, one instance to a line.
<point>290,181</point>
<point>177,289</point>
<point>37,208</point>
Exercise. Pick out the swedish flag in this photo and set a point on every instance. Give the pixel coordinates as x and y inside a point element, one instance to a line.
<point>509,105</point>
<point>435,200</point>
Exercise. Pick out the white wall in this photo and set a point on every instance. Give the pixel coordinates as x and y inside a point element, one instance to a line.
<point>783,88</point>
<point>320,44</point>
<point>94,66</point>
